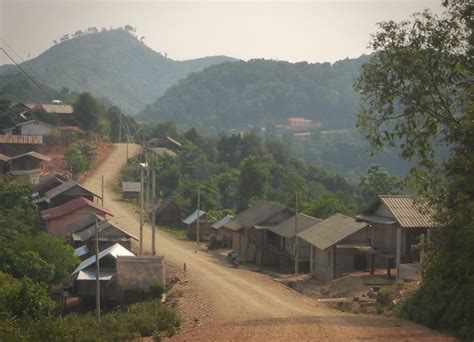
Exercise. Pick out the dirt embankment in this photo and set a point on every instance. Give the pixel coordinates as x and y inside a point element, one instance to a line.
<point>219,302</point>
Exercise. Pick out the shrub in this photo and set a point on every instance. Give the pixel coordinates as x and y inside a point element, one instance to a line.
<point>157,290</point>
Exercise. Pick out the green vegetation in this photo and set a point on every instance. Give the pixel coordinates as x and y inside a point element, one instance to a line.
<point>261,93</point>
<point>418,89</point>
<point>139,320</point>
<point>234,172</point>
<point>79,157</point>
<point>112,64</point>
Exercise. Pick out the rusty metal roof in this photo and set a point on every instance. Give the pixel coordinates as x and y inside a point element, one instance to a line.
<point>331,231</point>
<point>72,206</point>
<point>287,227</point>
<point>21,139</point>
<point>58,108</point>
<point>408,212</point>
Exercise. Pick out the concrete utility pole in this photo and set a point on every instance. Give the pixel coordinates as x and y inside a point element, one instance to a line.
<point>102,193</point>
<point>153,223</point>
<point>97,272</point>
<point>198,216</point>
<point>297,261</point>
<point>127,145</point>
<point>120,127</point>
<point>141,210</point>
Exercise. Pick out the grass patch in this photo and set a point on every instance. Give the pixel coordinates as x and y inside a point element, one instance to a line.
<point>176,232</point>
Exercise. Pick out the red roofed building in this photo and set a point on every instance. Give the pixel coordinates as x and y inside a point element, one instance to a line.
<point>299,121</point>
<point>59,217</point>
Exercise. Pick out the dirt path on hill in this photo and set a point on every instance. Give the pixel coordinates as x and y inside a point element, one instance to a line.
<point>238,304</point>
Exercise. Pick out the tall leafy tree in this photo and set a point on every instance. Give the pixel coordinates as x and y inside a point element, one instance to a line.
<point>418,89</point>
<point>88,111</point>
<point>253,180</point>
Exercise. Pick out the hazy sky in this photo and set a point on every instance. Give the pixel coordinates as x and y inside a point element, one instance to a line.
<point>314,31</point>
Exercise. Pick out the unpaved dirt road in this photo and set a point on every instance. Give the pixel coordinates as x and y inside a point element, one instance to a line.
<point>244,305</point>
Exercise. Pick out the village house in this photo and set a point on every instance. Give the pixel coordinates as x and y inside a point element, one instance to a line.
<point>34,127</point>
<point>64,113</point>
<point>397,223</point>
<point>191,226</point>
<point>136,275</point>
<point>84,276</point>
<point>282,238</point>
<point>250,229</point>
<point>64,193</point>
<point>83,233</point>
<point>28,166</point>
<point>298,121</point>
<point>58,218</point>
<point>47,183</point>
<point>224,236</point>
<point>131,190</point>
<point>19,144</point>
<point>167,142</point>
<point>335,246</point>
<point>167,213</point>
<point>163,151</point>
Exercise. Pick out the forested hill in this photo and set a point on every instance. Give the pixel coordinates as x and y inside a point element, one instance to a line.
<point>262,92</point>
<point>113,64</point>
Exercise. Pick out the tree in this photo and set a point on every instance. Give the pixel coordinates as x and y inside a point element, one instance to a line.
<point>377,182</point>
<point>75,161</point>
<point>88,111</point>
<point>418,88</point>
<point>253,180</point>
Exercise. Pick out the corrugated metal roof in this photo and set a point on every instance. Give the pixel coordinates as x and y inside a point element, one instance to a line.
<point>222,222</point>
<point>331,230</point>
<point>21,139</point>
<point>72,206</point>
<point>58,108</point>
<point>407,211</point>
<point>68,185</point>
<point>104,274</point>
<point>34,121</point>
<point>287,227</point>
<point>114,251</point>
<point>174,141</point>
<point>32,154</point>
<point>193,217</point>
<point>81,251</point>
<point>4,157</point>
<point>130,186</point>
<point>107,232</point>
<point>376,219</point>
<point>254,215</point>
<point>163,151</point>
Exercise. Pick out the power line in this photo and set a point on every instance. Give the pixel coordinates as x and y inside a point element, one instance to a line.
<point>26,74</point>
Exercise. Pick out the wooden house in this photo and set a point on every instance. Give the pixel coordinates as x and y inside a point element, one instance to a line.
<point>47,183</point>
<point>167,142</point>
<point>250,233</point>
<point>224,236</point>
<point>19,144</point>
<point>282,237</point>
<point>64,113</point>
<point>58,218</point>
<point>397,218</point>
<point>28,166</point>
<point>85,274</point>
<point>167,213</point>
<point>336,246</point>
<point>4,167</point>
<point>66,192</point>
<point>131,190</point>
<point>83,233</point>
<point>35,128</point>
<point>191,223</point>
<point>136,274</point>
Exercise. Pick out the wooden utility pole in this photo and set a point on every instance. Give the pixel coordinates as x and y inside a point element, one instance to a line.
<point>97,272</point>
<point>153,223</point>
<point>296,237</point>
<point>127,145</point>
<point>398,252</point>
<point>141,210</point>
<point>102,186</point>
<point>198,216</point>
<point>120,127</point>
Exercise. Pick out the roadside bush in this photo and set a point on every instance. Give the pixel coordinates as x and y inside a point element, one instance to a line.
<point>385,296</point>
<point>157,290</point>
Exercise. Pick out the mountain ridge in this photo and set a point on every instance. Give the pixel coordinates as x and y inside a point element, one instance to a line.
<point>112,64</point>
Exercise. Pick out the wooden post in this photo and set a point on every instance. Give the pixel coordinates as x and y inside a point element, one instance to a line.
<point>141,211</point>
<point>399,251</point>
<point>127,147</point>
<point>334,262</point>
<point>372,258</point>
<point>97,270</point>
<point>311,256</point>
<point>153,222</point>
<point>102,193</point>
<point>198,217</point>
<point>296,238</point>
<point>120,127</point>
